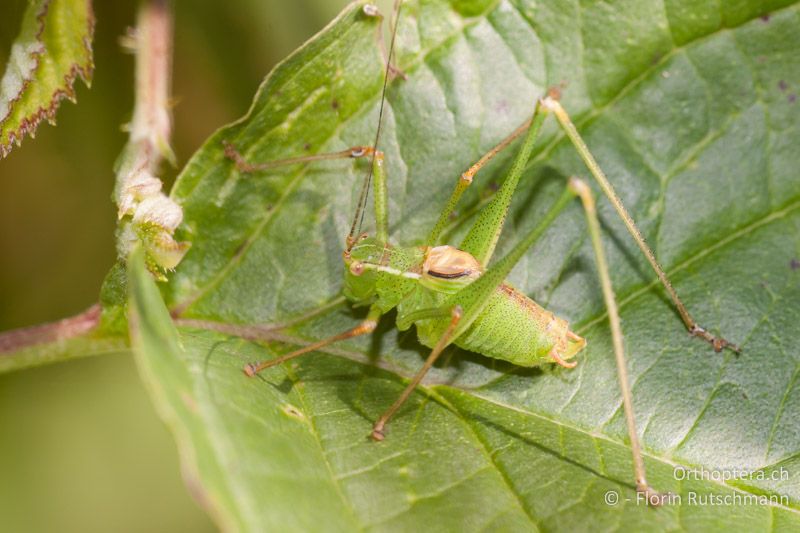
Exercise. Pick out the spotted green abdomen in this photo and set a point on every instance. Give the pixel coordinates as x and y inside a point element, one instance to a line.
<point>511,327</point>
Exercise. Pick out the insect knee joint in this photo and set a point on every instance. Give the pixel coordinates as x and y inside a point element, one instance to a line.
<point>238,160</point>
<point>365,151</point>
<point>466,177</point>
<point>368,326</point>
<point>371,10</point>
<point>580,188</point>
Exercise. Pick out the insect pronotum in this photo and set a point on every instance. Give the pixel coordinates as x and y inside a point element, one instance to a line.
<point>457,295</point>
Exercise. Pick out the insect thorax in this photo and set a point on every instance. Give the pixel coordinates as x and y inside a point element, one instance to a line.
<point>382,273</point>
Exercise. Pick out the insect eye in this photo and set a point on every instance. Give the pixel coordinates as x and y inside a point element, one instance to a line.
<point>357,268</point>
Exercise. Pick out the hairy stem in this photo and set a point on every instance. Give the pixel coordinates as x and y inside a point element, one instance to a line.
<point>147,215</point>
<point>66,328</point>
<point>69,338</point>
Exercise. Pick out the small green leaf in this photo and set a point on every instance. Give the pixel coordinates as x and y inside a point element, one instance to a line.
<point>693,114</point>
<point>54,47</point>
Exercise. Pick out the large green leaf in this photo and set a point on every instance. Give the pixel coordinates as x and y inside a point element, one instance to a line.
<point>690,107</point>
<point>53,48</point>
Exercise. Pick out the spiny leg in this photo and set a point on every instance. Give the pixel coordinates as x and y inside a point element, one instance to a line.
<point>465,180</point>
<point>532,127</point>
<point>243,165</point>
<point>381,193</point>
<point>483,235</point>
<point>444,341</point>
<point>587,199</point>
<point>354,152</point>
<point>367,326</point>
<point>550,103</point>
<point>371,10</point>
<point>482,238</point>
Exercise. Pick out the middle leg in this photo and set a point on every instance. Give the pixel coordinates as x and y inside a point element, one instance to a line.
<point>368,325</point>
<point>445,339</point>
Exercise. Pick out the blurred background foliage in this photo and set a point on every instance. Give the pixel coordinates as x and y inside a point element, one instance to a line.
<point>81,448</point>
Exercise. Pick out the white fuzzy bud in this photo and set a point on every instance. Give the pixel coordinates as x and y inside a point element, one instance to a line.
<point>160,211</point>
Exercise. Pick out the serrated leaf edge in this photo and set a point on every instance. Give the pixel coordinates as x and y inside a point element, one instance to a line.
<point>29,124</point>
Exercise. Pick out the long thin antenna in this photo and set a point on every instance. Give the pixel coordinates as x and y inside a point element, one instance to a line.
<point>358,219</point>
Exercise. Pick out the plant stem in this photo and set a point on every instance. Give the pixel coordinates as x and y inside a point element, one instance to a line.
<point>66,328</point>
<point>66,339</point>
